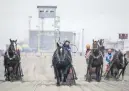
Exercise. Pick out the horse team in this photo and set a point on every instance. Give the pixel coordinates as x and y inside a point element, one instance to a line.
<point>62,64</point>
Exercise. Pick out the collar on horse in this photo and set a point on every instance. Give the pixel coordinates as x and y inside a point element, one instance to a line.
<point>9,56</point>
<point>96,57</point>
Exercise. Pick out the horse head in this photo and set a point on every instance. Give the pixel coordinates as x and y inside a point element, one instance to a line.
<point>101,45</point>
<point>119,57</point>
<point>12,47</point>
<point>61,52</point>
<point>101,42</point>
<point>95,48</point>
<point>95,44</point>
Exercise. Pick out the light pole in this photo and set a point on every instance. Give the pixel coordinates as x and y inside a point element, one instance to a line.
<point>29,22</point>
<point>29,25</point>
<point>79,38</point>
<point>38,41</point>
<point>38,35</point>
<point>123,43</point>
<point>42,24</point>
<point>74,34</point>
<point>82,40</point>
<point>57,29</point>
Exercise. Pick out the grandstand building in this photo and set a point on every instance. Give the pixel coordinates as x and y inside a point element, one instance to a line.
<point>47,39</point>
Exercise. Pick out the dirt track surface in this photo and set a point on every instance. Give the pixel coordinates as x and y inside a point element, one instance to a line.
<point>38,76</point>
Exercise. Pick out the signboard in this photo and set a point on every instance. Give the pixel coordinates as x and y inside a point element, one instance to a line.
<point>47,11</point>
<point>123,36</point>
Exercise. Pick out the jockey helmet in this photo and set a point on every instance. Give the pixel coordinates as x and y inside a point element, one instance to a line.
<point>66,42</point>
<point>109,50</point>
<point>88,46</point>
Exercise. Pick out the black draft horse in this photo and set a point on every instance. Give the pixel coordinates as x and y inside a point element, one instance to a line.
<point>61,62</point>
<point>10,54</point>
<point>119,62</point>
<point>96,61</point>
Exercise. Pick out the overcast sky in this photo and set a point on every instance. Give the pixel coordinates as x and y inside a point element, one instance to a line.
<point>99,18</point>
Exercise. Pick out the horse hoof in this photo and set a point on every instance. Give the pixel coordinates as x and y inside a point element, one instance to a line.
<point>57,84</point>
<point>64,83</point>
<point>98,80</point>
<point>6,79</point>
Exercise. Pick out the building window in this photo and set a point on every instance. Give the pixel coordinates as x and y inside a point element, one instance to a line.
<point>41,10</point>
<point>51,11</point>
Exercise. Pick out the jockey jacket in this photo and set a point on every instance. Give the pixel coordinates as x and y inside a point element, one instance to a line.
<point>87,54</point>
<point>68,48</point>
<point>109,57</point>
<point>18,52</point>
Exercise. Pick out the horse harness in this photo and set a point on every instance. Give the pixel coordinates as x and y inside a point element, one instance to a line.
<point>10,57</point>
<point>97,57</point>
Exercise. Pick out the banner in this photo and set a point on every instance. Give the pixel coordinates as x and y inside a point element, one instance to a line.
<point>123,36</point>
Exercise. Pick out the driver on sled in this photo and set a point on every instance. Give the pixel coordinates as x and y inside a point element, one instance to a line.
<point>88,52</point>
<point>108,59</point>
<point>66,46</point>
<point>18,51</point>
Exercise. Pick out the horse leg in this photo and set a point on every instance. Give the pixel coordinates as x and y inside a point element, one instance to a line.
<point>8,74</point>
<point>58,77</point>
<point>97,75</point>
<point>74,73</point>
<point>5,71</point>
<point>116,73</point>
<point>17,70</point>
<point>65,73</point>
<point>89,74</point>
<point>111,73</point>
<point>55,73</point>
<point>21,71</point>
<point>123,72</point>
